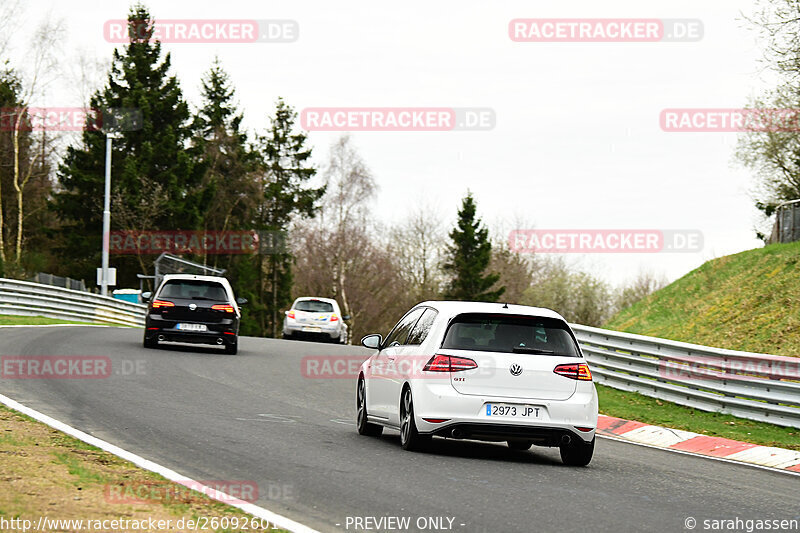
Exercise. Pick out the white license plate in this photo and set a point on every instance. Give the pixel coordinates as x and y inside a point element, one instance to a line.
<point>312,329</point>
<point>192,327</point>
<point>505,410</point>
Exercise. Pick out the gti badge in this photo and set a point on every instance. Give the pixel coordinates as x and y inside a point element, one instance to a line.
<point>192,307</point>
<point>515,370</point>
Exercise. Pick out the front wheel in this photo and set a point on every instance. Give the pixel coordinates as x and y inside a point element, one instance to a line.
<point>410,439</point>
<point>364,427</point>
<point>577,452</point>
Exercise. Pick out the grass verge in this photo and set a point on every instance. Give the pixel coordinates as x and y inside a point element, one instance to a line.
<point>45,473</point>
<point>746,301</point>
<point>633,406</point>
<point>15,320</point>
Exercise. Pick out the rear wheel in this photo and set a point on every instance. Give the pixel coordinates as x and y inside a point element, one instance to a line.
<point>410,439</point>
<point>232,348</point>
<point>577,452</point>
<point>520,445</point>
<point>364,427</point>
<point>150,343</point>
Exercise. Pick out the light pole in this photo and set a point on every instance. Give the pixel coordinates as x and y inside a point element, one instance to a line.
<point>107,215</point>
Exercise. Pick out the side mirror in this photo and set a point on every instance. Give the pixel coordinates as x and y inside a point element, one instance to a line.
<point>346,317</point>
<point>287,312</point>
<point>146,296</point>
<point>372,341</point>
<point>241,301</point>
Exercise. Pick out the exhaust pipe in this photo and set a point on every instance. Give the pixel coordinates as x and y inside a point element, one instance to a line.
<point>161,338</point>
<point>566,440</point>
<point>219,341</point>
<point>457,433</point>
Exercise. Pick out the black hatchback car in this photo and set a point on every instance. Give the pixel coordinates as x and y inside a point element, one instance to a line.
<point>196,309</point>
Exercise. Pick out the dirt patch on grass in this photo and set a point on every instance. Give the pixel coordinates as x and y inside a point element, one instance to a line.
<point>44,472</point>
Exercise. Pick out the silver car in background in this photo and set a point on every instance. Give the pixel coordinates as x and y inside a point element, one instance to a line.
<point>316,319</point>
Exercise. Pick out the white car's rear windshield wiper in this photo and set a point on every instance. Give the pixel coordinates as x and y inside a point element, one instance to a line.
<point>525,349</point>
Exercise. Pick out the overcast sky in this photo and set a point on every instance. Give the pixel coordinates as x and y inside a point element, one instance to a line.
<point>577,142</point>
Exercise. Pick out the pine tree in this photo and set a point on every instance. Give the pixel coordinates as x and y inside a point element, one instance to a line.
<point>469,257</point>
<point>227,164</point>
<point>284,194</point>
<point>230,183</point>
<point>155,183</point>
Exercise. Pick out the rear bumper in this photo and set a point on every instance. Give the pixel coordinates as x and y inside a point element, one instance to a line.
<point>326,332</point>
<point>468,414</point>
<point>539,435</point>
<point>165,330</point>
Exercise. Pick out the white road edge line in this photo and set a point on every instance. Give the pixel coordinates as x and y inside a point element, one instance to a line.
<point>684,452</point>
<point>260,512</point>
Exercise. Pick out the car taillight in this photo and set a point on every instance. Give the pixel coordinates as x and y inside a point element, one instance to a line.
<point>449,363</point>
<point>578,371</point>
<point>334,318</point>
<point>223,307</point>
<point>290,314</point>
<point>162,303</point>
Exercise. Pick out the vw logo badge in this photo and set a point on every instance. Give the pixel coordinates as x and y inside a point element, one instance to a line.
<point>515,370</point>
<point>192,307</point>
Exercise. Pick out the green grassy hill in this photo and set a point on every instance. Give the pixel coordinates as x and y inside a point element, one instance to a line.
<point>748,301</point>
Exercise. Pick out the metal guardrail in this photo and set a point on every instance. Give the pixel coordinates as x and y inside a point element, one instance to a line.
<point>748,385</point>
<point>34,299</point>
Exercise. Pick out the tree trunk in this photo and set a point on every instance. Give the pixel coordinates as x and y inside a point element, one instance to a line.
<point>17,188</point>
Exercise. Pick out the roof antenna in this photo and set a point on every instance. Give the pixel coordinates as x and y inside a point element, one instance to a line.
<point>505,305</point>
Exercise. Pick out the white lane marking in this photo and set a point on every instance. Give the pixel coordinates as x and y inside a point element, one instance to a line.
<point>260,512</point>
<point>723,459</point>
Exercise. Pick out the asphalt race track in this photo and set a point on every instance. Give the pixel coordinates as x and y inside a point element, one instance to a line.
<point>254,416</point>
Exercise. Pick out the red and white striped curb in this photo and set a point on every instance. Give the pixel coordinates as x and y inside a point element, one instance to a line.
<point>686,441</point>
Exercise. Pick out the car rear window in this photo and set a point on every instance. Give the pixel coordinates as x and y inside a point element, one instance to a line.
<point>194,290</point>
<point>314,306</point>
<point>511,334</point>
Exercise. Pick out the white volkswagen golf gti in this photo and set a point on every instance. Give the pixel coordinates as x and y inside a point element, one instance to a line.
<point>481,371</point>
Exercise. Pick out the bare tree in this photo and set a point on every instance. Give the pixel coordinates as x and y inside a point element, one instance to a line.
<point>577,295</point>
<point>418,247</point>
<point>137,217</point>
<point>350,188</point>
<point>644,284</point>
<point>41,73</point>
<point>774,154</point>
<point>10,11</point>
